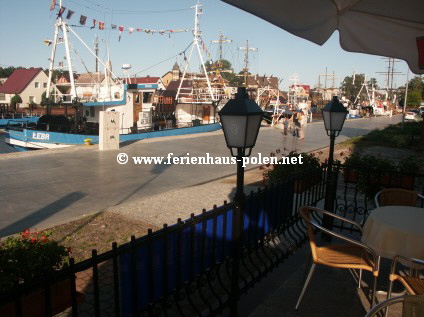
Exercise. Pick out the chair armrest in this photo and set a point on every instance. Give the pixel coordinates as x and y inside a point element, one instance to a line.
<point>405,259</point>
<point>325,212</point>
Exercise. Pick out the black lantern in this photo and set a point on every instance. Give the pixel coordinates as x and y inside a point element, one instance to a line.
<point>334,115</point>
<point>241,119</point>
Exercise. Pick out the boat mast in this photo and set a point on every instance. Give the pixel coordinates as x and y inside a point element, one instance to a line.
<point>246,60</point>
<point>197,38</point>
<point>60,24</point>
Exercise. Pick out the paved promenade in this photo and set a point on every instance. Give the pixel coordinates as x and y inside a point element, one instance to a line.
<point>45,188</point>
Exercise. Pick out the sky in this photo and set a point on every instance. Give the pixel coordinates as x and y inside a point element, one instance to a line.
<point>25,24</point>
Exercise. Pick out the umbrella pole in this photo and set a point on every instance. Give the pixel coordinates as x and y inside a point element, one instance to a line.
<point>406,96</point>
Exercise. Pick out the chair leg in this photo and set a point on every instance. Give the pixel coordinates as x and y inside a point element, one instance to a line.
<point>308,279</point>
<point>308,265</point>
<point>389,294</point>
<point>360,278</point>
<point>374,291</point>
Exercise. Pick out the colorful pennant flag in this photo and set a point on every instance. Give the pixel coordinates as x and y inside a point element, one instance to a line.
<point>113,26</point>
<point>83,19</point>
<point>131,30</point>
<point>61,10</point>
<point>121,29</point>
<point>52,5</point>
<point>101,25</point>
<point>94,24</point>
<point>70,13</point>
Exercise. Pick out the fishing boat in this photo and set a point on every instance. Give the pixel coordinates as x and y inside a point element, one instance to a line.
<point>135,102</point>
<point>5,118</point>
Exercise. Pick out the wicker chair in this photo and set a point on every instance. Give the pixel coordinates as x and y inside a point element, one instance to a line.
<point>397,197</point>
<point>412,306</point>
<point>350,255</point>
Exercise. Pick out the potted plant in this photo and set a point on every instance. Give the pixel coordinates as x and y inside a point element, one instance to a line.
<point>25,258</point>
<point>306,174</point>
<point>371,173</point>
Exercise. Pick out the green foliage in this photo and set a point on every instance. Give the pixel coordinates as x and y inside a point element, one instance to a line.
<point>394,135</point>
<point>414,98</point>
<point>351,87</point>
<point>415,91</point>
<point>7,71</point>
<point>233,79</point>
<point>371,173</point>
<point>276,173</point>
<point>15,100</point>
<point>28,256</point>
<point>223,64</point>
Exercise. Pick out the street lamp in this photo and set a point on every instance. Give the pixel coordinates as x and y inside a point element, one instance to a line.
<point>334,115</point>
<point>241,119</point>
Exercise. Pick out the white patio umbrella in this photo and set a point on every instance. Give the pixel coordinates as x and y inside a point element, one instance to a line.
<point>392,28</point>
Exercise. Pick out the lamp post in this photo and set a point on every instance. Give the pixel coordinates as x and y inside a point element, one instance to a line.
<point>241,119</point>
<point>334,115</point>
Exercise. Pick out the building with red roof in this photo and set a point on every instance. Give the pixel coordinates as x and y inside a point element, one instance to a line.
<point>28,83</point>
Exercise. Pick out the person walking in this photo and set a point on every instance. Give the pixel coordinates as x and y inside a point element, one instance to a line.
<point>295,118</point>
<point>285,124</point>
<point>303,121</point>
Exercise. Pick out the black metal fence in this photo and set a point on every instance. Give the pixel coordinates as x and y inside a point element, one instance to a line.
<point>186,269</point>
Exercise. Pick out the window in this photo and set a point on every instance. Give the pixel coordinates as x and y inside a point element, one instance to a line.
<point>147,97</point>
<point>2,96</point>
<point>44,85</point>
<point>137,98</point>
<point>92,114</point>
<point>31,99</point>
<point>37,84</point>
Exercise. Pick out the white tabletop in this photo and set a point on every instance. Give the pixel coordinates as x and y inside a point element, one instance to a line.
<point>395,230</point>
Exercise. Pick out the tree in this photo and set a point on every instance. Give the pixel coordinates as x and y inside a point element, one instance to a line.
<point>233,79</point>
<point>351,87</point>
<point>7,71</point>
<point>223,65</point>
<point>415,91</point>
<point>372,83</point>
<point>14,101</point>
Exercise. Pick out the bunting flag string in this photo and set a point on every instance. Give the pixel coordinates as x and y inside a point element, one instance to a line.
<point>102,25</point>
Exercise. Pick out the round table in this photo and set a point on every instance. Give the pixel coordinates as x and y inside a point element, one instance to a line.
<point>395,230</point>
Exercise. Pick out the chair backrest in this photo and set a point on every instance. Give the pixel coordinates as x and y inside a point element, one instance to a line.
<point>412,306</point>
<point>398,197</point>
<point>305,213</point>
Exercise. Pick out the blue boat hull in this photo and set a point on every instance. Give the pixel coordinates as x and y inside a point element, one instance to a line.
<point>35,139</point>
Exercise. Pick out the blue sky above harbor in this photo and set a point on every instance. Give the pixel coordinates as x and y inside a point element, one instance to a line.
<point>25,24</point>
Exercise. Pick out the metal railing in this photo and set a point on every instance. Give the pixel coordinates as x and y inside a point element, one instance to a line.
<point>185,269</point>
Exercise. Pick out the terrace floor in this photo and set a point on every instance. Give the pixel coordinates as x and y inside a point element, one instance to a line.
<point>331,292</point>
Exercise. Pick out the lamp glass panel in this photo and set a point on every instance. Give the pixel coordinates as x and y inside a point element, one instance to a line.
<point>253,125</point>
<point>338,119</point>
<point>235,130</point>
<point>327,120</point>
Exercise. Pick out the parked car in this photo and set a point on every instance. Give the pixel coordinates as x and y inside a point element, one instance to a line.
<point>411,115</point>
